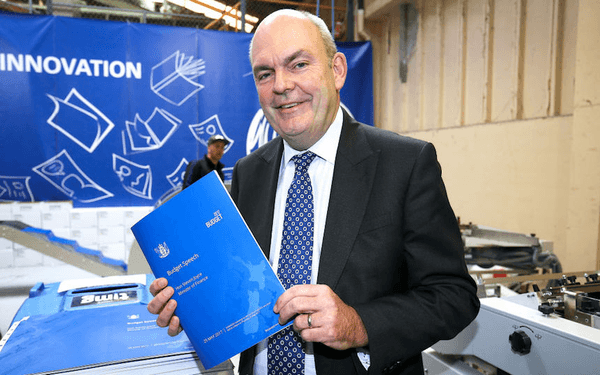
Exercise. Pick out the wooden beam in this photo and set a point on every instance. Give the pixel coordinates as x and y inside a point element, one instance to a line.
<point>213,8</point>
<point>294,3</point>
<point>235,7</point>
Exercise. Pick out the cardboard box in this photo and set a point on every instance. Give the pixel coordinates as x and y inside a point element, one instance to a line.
<point>28,213</point>
<point>7,257</point>
<point>6,211</point>
<point>84,218</point>
<point>56,215</point>
<point>5,245</point>
<point>111,217</point>
<point>28,258</point>
<point>114,250</point>
<point>113,234</point>
<point>134,214</point>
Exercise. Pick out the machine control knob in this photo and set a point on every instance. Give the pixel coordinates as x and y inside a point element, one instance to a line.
<point>546,308</point>
<point>520,342</point>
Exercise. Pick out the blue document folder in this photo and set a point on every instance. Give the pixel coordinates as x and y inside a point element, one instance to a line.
<point>224,286</point>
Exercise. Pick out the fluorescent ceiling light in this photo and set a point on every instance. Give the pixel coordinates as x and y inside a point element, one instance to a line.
<point>207,7</point>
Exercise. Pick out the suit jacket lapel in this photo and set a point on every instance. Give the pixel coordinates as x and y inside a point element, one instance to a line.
<point>352,183</point>
<point>267,175</point>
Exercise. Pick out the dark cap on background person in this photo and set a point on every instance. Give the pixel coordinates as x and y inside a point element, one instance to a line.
<point>217,137</point>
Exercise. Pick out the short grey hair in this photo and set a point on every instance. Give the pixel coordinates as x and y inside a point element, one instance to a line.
<point>327,39</point>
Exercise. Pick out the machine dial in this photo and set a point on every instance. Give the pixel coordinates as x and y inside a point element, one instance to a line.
<point>520,342</point>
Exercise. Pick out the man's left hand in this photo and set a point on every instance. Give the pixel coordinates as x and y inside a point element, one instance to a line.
<point>332,322</point>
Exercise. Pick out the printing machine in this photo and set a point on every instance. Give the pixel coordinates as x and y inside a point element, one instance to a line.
<point>488,248</point>
<point>535,320</point>
<point>523,327</point>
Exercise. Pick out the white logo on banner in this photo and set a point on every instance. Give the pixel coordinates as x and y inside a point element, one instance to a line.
<point>260,131</point>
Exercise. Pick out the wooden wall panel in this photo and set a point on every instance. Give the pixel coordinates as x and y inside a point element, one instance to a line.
<point>538,53</point>
<point>385,70</point>
<point>399,112</point>
<point>379,119</point>
<point>412,87</point>
<point>391,102</point>
<point>430,46</point>
<point>505,59</point>
<point>566,67</point>
<point>477,61</point>
<point>453,23</point>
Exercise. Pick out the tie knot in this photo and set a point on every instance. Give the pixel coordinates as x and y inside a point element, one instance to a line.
<point>303,160</point>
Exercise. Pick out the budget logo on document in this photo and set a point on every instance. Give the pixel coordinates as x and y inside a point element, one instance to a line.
<point>162,250</point>
<point>217,217</point>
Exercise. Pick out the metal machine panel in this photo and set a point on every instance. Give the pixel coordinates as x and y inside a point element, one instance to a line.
<point>521,340</point>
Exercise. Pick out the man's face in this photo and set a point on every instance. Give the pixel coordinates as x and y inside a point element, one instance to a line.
<point>298,86</point>
<point>215,151</point>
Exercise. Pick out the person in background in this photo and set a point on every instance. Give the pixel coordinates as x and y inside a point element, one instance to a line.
<point>197,169</point>
<point>384,276</point>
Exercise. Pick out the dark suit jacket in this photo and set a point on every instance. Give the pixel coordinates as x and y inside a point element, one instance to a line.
<point>392,248</point>
<point>196,170</point>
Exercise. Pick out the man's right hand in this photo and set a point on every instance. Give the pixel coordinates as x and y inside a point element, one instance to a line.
<point>164,306</point>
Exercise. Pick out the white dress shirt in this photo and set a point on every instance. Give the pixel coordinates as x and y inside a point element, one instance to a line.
<point>321,176</point>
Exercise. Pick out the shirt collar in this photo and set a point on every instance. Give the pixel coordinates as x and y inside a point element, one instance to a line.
<point>326,147</point>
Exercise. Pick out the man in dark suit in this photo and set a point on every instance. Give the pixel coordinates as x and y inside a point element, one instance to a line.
<point>390,278</point>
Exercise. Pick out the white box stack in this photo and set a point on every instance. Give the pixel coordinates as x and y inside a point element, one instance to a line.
<point>56,215</point>
<point>6,211</point>
<point>28,213</point>
<point>132,216</point>
<point>84,218</point>
<point>84,227</point>
<point>111,232</point>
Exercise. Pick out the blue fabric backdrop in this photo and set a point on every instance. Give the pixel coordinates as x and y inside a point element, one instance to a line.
<point>109,114</point>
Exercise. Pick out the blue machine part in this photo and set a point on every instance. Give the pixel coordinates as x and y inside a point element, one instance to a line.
<point>65,326</point>
<point>45,299</point>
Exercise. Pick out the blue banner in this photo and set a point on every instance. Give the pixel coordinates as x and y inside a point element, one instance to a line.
<point>109,114</point>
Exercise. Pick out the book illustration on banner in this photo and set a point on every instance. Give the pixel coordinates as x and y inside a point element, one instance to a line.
<point>151,134</point>
<point>224,285</point>
<point>15,188</point>
<point>65,175</point>
<point>174,79</point>
<point>207,128</point>
<point>136,179</point>
<point>79,120</point>
<point>175,178</point>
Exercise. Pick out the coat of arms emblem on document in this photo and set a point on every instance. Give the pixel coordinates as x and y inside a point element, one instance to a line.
<point>162,250</point>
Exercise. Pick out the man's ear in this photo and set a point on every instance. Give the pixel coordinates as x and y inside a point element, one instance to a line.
<point>340,70</point>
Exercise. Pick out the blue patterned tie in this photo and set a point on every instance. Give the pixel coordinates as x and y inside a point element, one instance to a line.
<point>285,354</point>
